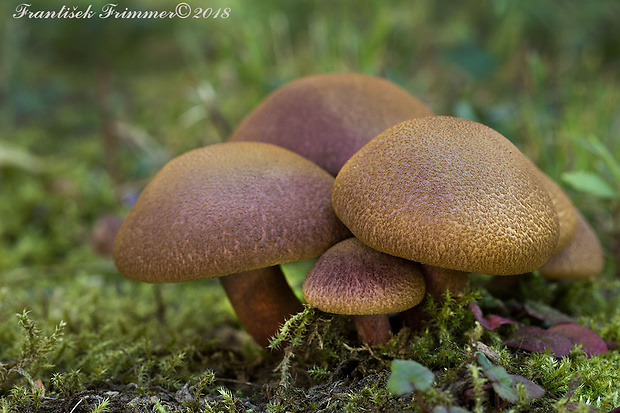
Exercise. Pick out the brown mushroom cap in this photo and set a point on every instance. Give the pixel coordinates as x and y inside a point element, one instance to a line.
<point>353,279</point>
<point>451,193</point>
<point>227,208</point>
<point>581,258</point>
<point>326,118</point>
<point>567,214</point>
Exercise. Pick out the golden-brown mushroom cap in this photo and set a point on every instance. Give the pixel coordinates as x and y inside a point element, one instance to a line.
<point>448,192</point>
<point>567,214</point>
<point>581,258</point>
<point>227,208</point>
<point>326,118</point>
<point>353,279</point>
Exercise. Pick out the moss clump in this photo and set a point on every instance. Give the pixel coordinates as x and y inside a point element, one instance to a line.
<point>180,363</point>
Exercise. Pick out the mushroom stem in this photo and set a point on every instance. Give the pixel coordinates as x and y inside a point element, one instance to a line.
<point>373,329</point>
<point>262,300</point>
<point>438,281</point>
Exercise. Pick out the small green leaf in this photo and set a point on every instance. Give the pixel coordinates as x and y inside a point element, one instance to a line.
<point>589,183</point>
<point>505,387</point>
<point>484,361</point>
<point>498,374</point>
<point>407,376</point>
<point>502,383</point>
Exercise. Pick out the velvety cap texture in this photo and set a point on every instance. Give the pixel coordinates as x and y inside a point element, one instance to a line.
<point>581,258</point>
<point>326,118</point>
<point>224,209</point>
<point>451,193</point>
<point>352,278</point>
<point>566,212</point>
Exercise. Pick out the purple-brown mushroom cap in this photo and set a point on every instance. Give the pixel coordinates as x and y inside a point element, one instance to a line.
<point>326,118</point>
<point>227,208</point>
<point>353,279</point>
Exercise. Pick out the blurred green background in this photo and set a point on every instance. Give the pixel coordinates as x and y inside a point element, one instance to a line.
<point>90,109</point>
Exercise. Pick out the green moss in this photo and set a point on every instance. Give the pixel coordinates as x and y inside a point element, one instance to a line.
<point>82,330</point>
<point>449,329</point>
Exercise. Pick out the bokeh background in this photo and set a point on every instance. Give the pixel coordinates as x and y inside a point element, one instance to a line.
<point>90,109</point>
<point>94,107</point>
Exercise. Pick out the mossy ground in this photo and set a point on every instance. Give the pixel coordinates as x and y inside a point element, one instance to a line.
<point>91,110</point>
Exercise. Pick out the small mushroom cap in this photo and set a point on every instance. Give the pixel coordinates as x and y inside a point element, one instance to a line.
<point>581,258</point>
<point>567,214</point>
<point>326,118</point>
<point>353,279</point>
<point>224,209</point>
<point>451,193</point>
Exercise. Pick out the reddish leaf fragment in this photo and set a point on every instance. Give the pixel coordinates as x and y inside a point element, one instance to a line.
<point>538,340</point>
<point>545,313</point>
<point>591,343</point>
<point>491,321</point>
<point>532,390</point>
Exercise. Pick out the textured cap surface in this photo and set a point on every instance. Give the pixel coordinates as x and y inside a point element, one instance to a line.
<point>326,118</point>
<point>448,192</point>
<point>352,278</point>
<point>224,209</point>
<point>566,212</point>
<point>581,258</point>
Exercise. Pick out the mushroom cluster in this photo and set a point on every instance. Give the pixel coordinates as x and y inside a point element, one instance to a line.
<point>458,197</point>
<point>426,199</point>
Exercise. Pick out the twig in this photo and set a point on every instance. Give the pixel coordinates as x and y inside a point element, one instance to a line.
<point>78,403</point>
<point>247,383</point>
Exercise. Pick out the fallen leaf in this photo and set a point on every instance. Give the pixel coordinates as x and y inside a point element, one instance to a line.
<point>591,343</point>
<point>538,340</point>
<point>491,321</point>
<point>533,390</point>
<point>545,313</point>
